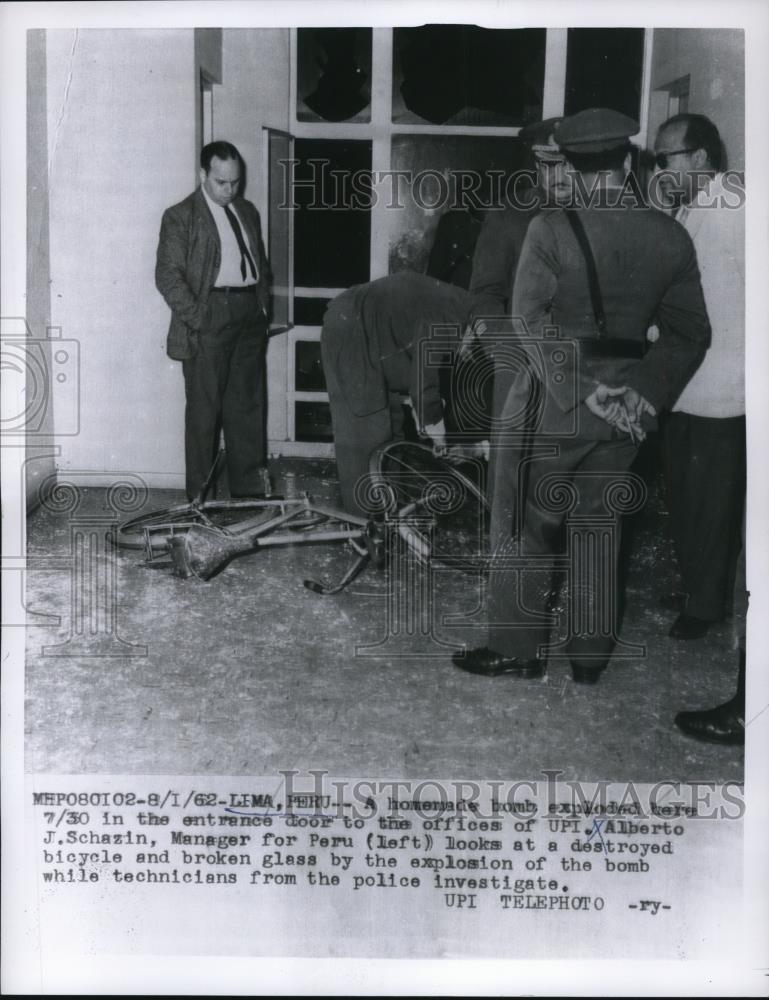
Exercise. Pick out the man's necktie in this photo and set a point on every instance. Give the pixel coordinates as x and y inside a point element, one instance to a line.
<point>244,254</point>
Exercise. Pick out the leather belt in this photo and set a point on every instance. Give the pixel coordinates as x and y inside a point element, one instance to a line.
<point>232,289</point>
<point>612,347</point>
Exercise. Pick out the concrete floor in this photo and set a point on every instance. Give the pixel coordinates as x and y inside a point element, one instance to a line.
<point>250,673</point>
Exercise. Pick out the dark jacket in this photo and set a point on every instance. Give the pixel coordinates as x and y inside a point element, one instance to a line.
<point>496,257</point>
<point>372,335</point>
<point>188,259</point>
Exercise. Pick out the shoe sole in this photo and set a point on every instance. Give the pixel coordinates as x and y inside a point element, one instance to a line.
<point>731,741</point>
<point>527,673</point>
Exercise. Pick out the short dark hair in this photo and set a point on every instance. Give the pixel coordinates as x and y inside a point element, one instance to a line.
<point>593,163</point>
<point>700,133</point>
<point>221,150</point>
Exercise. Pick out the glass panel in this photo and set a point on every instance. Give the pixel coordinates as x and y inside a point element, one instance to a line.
<point>333,75</point>
<point>603,69</point>
<point>452,180</point>
<point>451,74</point>
<point>331,238</point>
<point>309,312</point>
<point>308,367</point>
<point>312,421</point>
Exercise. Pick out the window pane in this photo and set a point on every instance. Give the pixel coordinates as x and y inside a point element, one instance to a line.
<point>331,239</point>
<point>451,181</point>
<point>309,370</point>
<point>334,75</point>
<point>450,74</point>
<point>312,421</point>
<point>603,69</point>
<point>309,312</point>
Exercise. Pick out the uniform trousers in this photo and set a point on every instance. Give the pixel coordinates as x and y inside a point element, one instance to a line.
<point>705,470</point>
<point>550,515</point>
<point>225,386</point>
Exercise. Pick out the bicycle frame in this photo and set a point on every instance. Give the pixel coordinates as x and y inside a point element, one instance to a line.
<point>201,548</point>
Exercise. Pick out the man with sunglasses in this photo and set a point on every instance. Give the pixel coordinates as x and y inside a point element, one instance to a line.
<point>705,432</point>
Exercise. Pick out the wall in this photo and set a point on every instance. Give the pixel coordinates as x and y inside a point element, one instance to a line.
<point>121,124</point>
<point>40,449</point>
<point>121,149</point>
<point>715,60</point>
<point>255,94</point>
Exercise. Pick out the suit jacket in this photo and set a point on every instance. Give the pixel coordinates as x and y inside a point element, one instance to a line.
<point>188,259</point>
<point>646,267</point>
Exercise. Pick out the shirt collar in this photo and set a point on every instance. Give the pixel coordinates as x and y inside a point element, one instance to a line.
<point>211,203</point>
<point>712,189</point>
<point>705,196</point>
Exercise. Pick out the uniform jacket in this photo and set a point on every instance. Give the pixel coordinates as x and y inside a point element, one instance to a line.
<point>372,335</point>
<point>188,259</point>
<point>646,267</point>
<point>496,257</point>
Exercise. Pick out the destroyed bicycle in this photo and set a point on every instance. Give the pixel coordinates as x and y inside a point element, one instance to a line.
<point>435,505</point>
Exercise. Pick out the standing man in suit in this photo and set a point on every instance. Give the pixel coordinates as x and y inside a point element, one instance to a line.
<point>212,271</point>
<point>705,432</point>
<point>589,281</point>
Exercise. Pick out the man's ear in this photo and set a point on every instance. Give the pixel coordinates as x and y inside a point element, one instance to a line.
<point>202,174</point>
<point>700,159</point>
<point>628,163</point>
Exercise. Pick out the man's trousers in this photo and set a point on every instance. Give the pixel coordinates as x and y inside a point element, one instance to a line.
<point>355,438</point>
<point>555,512</point>
<point>705,471</point>
<point>225,385</point>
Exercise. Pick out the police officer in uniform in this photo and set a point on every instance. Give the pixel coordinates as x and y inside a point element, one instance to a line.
<point>590,281</point>
<point>499,245</point>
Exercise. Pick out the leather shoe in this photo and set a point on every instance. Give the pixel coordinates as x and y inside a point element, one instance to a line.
<point>488,663</point>
<point>689,627</point>
<point>723,724</point>
<point>587,671</point>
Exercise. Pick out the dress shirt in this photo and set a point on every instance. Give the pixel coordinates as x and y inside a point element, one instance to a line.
<point>717,388</point>
<point>229,269</point>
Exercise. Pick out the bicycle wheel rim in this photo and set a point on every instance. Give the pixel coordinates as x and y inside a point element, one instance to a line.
<point>448,501</point>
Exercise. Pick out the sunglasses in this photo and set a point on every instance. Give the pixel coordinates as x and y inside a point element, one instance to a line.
<point>661,159</point>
